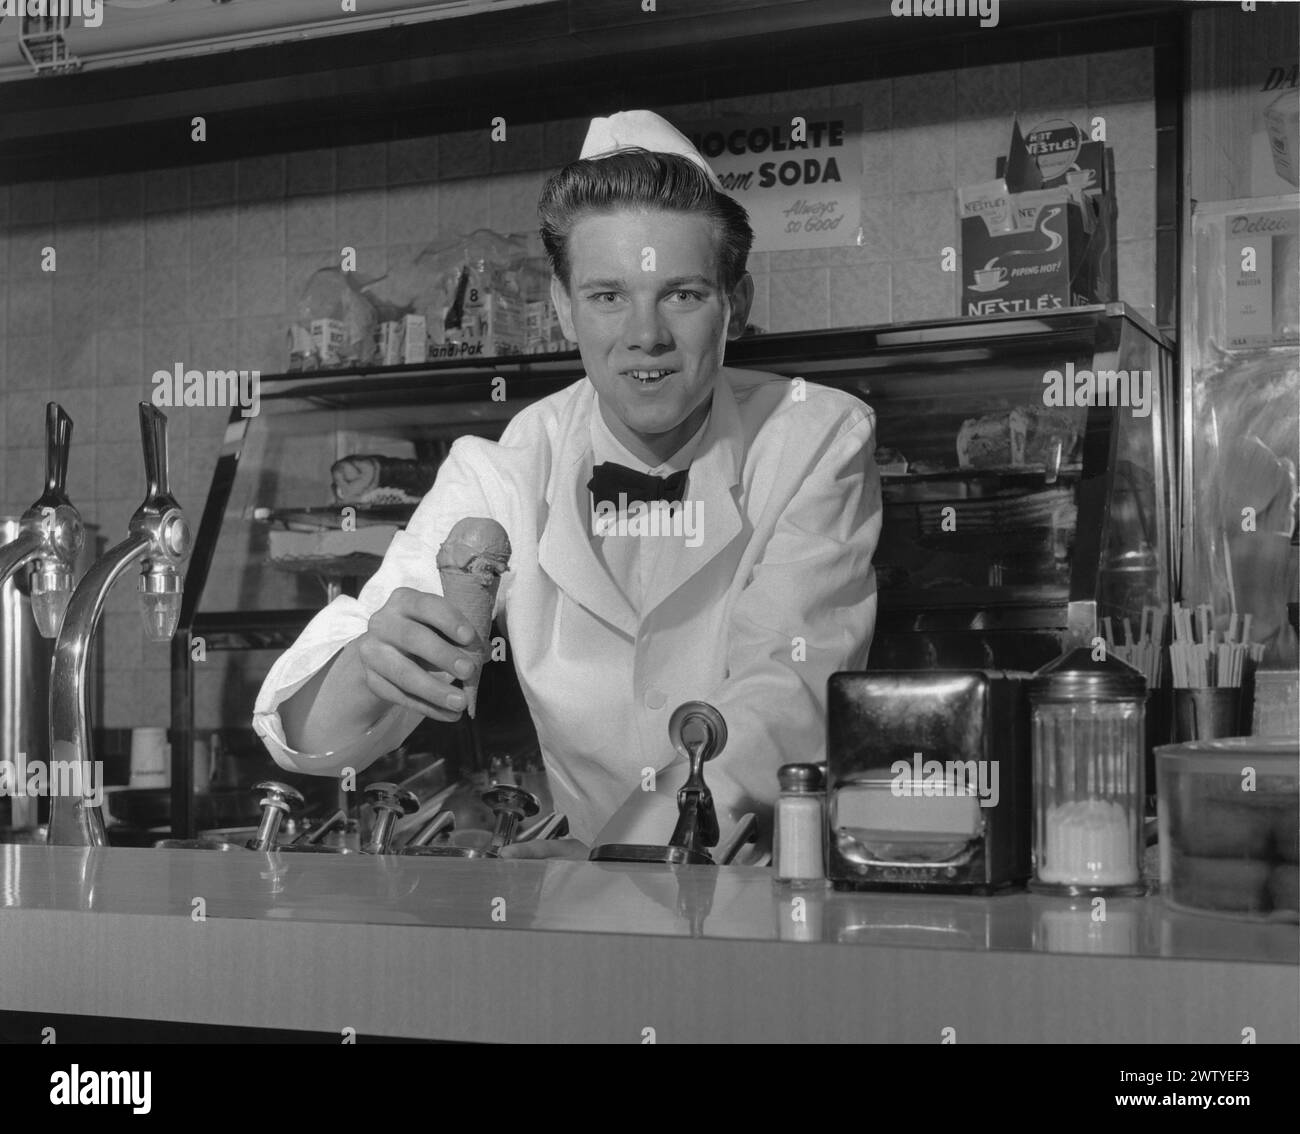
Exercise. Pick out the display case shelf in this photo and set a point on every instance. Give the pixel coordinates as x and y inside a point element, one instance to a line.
<point>332,517</point>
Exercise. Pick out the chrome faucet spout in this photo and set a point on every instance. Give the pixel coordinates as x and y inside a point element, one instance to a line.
<point>74,820</point>
<point>698,733</point>
<point>158,537</point>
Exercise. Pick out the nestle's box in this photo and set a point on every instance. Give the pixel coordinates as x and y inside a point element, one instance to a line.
<point>1048,262</point>
<point>1041,236</point>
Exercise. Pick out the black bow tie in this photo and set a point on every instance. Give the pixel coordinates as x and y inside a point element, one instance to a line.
<point>619,485</point>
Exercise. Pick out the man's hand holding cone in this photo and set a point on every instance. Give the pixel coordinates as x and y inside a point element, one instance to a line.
<point>418,644</point>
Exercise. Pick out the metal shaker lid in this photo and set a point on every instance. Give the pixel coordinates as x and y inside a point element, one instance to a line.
<point>800,777</point>
<point>1078,675</point>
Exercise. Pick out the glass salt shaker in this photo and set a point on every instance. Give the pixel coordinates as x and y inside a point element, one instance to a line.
<point>798,845</point>
<point>1088,729</point>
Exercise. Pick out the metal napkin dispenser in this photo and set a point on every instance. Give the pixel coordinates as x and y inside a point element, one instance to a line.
<point>928,780</point>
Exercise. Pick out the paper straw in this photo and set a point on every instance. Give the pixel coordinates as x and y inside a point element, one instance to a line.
<point>1232,583</point>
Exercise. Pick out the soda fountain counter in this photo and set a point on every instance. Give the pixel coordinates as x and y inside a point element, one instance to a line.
<point>1018,518</point>
<point>561,951</point>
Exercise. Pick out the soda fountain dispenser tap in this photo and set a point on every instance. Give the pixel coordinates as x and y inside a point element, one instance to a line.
<point>511,805</point>
<point>159,538</point>
<point>51,533</point>
<point>699,733</point>
<point>389,802</point>
<point>280,799</point>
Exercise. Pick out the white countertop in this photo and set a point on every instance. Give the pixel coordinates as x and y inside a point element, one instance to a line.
<point>575,951</point>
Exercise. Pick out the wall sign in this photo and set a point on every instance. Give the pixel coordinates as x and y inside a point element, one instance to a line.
<point>800,181</point>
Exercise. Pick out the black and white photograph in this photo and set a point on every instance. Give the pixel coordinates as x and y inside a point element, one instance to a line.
<point>581,522</point>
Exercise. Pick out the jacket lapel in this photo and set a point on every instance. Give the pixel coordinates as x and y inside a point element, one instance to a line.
<point>715,472</point>
<point>565,551</point>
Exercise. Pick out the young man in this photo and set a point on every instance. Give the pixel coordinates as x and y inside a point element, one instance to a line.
<point>761,591</point>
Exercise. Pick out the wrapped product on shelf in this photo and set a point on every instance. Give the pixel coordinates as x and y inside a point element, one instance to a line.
<point>335,324</point>
<point>369,478</point>
<point>1023,435</point>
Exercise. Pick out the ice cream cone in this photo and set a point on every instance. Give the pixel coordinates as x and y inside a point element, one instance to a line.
<point>467,592</point>
<point>470,563</point>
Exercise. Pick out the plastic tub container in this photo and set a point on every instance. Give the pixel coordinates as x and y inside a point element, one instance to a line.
<point>1229,815</point>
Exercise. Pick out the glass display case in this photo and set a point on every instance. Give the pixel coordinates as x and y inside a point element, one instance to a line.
<point>1025,473</point>
<point>1016,517</point>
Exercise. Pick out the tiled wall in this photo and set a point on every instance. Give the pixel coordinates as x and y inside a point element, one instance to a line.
<point>203,266</point>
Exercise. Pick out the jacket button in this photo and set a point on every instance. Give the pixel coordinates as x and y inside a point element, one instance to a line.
<point>654,699</point>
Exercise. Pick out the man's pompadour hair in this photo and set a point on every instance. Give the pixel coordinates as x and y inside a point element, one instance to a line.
<point>641,179</point>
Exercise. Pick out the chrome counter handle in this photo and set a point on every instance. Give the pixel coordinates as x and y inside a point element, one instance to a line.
<point>697,821</point>
<point>279,800</point>
<point>510,804</point>
<point>698,732</point>
<point>389,801</point>
<point>709,729</point>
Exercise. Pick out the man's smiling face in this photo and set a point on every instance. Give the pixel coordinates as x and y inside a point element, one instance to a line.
<point>651,340</point>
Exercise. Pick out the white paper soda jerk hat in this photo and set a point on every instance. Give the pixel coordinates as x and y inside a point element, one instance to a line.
<point>644,129</point>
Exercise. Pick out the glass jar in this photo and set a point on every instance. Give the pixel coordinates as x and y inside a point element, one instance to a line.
<point>799,841</point>
<point>1088,729</point>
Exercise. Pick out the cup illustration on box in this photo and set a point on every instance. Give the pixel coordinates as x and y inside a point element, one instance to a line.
<point>1077,178</point>
<point>991,277</point>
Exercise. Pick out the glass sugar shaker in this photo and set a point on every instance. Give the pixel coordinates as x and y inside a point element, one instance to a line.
<point>1088,729</point>
<point>799,842</point>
